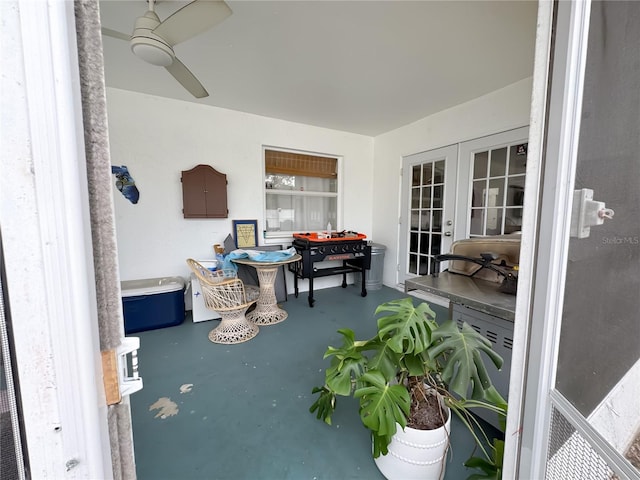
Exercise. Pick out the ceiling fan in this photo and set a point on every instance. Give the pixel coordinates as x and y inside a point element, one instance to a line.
<point>153,40</point>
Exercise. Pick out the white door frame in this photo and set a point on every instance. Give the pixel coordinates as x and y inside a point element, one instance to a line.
<point>518,454</point>
<point>563,129</point>
<point>546,224</point>
<point>47,245</point>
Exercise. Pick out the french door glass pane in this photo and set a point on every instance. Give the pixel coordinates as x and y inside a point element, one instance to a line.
<point>413,263</point>
<point>413,242</point>
<point>438,172</point>
<point>436,225</point>
<point>424,243</point>
<point>415,175</point>
<point>415,219</point>
<point>479,189</point>
<point>438,192</point>
<point>424,265</point>
<point>415,197</point>
<point>498,162</point>
<point>436,242</point>
<point>426,197</point>
<point>494,221</point>
<point>480,161</point>
<point>432,266</point>
<point>513,220</point>
<point>517,162</point>
<point>426,174</point>
<point>515,191</point>
<point>495,197</point>
<point>425,220</point>
<point>477,221</point>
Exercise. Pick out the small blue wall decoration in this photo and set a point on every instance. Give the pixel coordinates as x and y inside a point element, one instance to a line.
<point>125,183</point>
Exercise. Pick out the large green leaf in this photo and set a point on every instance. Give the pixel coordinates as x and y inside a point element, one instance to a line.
<point>325,404</point>
<point>492,468</point>
<point>407,329</point>
<point>384,360</point>
<point>418,365</point>
<point>382,405</point>
<point>459,352</point>
<point>348,344</point>
<point>381,444</point>
<point>493,397</point>
<point>347,364</point>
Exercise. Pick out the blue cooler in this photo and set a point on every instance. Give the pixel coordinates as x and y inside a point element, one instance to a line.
<point>152,303</point>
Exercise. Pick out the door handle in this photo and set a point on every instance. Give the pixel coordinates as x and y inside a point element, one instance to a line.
<point>447,233</point>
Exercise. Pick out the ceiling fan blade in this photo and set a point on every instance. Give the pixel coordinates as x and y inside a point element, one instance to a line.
<point>113,33</point>
<point>187,79</point>
<point>192,19</point>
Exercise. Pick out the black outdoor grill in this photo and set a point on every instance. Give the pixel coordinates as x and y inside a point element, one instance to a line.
<point>348,247</point>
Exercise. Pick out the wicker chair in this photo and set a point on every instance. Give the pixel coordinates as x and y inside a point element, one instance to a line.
<point>227,295</point>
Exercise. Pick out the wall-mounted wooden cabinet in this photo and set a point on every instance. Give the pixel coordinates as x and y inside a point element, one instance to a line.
<point>204,193</point>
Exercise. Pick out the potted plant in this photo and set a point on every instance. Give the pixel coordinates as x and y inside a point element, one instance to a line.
<point>414,368</point>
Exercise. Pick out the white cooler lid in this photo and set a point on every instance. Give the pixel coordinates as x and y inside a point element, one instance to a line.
<point>151,286</point>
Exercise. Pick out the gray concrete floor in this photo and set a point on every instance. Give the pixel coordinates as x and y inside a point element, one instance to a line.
<point>241,411</point>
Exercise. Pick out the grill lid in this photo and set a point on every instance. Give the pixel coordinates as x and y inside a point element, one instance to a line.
<point>505,250</point>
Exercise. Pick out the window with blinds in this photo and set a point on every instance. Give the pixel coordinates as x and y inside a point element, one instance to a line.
<point>301,192</point>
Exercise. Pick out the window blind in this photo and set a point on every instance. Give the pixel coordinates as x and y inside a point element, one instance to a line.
<point>300,164</point>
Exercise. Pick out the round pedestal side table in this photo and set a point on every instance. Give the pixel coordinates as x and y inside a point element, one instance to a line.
<point>267,311</point>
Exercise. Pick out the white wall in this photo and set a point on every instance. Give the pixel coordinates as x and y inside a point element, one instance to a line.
<point>496,112</point>
<point>157,138</point>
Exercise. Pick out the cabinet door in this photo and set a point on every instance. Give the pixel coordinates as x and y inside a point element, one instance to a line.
<point>215,193</point>
<point>204,193</point>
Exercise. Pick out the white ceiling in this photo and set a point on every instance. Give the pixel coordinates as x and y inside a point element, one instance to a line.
<point>362,66</point>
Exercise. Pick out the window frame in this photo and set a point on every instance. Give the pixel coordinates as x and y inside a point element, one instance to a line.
<point>338,194</point>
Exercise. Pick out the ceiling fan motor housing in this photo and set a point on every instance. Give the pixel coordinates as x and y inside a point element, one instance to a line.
<point>147,45</point>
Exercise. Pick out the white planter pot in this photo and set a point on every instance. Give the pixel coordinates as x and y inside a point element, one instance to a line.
<point>416,454</point>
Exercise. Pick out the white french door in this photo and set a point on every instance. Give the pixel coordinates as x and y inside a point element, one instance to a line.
<point>473,188</point>
<point>428,205</point>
